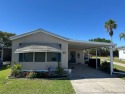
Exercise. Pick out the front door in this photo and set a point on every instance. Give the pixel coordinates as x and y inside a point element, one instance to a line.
<point>72,56</point>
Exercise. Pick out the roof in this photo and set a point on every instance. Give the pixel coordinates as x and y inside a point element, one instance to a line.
<point>36,31</point>
<point>72,43</point>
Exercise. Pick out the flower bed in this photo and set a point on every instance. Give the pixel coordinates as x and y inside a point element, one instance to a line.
<point>16,72</point>
<point>33,74</point>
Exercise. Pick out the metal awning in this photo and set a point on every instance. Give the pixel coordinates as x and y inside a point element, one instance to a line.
<point>82,45</point>
<point>37,48</point>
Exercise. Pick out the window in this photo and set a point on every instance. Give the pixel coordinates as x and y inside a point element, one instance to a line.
<point>39,57</point>
<point>59,57</point>
<point>51,56</point>
<point>21,55</point>
<point>26,57</point>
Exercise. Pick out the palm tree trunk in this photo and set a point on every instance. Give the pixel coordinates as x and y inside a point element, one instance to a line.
<point>111,39</point>
<point>112,47</point>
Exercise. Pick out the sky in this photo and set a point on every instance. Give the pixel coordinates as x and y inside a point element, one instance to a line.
<point>75,19</point>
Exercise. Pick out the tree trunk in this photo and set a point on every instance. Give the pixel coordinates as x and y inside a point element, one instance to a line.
<point>112,47</point>
<point>111,39</point>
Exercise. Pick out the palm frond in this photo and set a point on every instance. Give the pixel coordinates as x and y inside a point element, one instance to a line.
<point>110,25</point>
<point>122,35</point>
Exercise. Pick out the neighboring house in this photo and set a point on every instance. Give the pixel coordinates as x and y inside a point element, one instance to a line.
<point>40,49</point>
<point>121,53</point>
<point>5,54</point>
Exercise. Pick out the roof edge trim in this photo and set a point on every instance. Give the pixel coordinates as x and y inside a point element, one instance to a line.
<point>38,30</point>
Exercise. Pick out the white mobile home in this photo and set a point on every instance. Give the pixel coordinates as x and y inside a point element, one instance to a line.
<point>39,49</point>
<point>121,53</point>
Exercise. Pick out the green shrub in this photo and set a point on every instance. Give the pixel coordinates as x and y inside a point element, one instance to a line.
<point>15,69</point>
<point>105,66</point>
<point>59,69</point>
<point>31,75</point>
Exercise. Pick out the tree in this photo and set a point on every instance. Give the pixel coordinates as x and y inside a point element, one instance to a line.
<point>122,35</point>
<point>5,39</point>
<point>100,40</point>
<point>110,25</point>
<point>102,51</point>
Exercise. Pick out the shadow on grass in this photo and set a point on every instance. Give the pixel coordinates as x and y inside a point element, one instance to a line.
<point>59,78</point>
<point>120,76</point>
<point>4,67</point>
<point>63,78</point>
<point>118,70</point>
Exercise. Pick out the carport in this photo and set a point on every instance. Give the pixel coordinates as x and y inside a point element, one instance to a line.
<point>83,45</point>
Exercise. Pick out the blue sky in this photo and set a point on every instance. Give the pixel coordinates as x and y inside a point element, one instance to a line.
<point>76,19</point>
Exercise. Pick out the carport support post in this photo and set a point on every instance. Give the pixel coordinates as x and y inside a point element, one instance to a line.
<point>111,60</point>
<point>96,59</point>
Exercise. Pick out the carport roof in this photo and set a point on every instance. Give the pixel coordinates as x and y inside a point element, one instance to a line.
<point>74,44</point>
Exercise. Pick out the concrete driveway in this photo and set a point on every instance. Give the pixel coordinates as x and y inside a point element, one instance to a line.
<point>86,80</point>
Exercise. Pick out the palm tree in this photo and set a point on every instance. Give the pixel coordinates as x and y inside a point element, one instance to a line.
<point>110,25</point>
<point>122,35</point>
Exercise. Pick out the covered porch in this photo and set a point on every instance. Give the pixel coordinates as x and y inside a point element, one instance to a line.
<point>76,51</point>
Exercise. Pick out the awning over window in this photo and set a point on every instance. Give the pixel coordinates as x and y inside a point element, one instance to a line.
<point>37,48</point>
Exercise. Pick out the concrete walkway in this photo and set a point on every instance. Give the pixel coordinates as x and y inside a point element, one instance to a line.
<point>86,80</point>
<point>120,64</point>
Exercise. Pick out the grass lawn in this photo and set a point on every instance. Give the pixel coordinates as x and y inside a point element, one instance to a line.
<point>121,69</point>
<point>116,59</point>
<point>119,61</point>
<point>34,86</point>
<point>115,66</point>
<point>4,72</point>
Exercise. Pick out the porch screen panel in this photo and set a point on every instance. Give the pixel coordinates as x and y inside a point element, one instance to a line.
<point>40,57</point>
<point>59,57</point>
<point>21,55</point>
<point>28,57</point>
<point>25,57</point>
<point>51,57</point>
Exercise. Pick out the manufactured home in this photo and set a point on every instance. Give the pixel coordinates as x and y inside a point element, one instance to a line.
<point>121,53</point>
<point>40,49</point>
